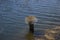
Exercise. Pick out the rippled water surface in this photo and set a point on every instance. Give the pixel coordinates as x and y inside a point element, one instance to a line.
<point>13,13</point>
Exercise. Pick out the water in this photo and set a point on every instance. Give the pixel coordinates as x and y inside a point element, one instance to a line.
<point>13,13</point>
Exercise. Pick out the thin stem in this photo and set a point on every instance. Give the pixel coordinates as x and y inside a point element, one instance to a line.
<point>31,27</point>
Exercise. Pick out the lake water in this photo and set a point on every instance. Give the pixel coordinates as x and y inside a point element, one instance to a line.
<point>13,13</point>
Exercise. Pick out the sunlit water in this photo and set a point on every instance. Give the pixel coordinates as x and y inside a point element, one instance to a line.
<point>13,13</point>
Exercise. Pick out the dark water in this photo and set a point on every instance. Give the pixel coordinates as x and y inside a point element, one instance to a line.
<point>13,13</point>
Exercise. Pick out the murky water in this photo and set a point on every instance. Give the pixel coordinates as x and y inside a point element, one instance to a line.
<point>13,13</point>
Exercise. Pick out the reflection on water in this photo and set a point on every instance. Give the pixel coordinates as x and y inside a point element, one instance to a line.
<point>30,36</point>
<point>13,13</point>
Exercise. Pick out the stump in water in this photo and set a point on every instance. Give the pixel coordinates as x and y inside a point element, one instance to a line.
<point>30,20</point>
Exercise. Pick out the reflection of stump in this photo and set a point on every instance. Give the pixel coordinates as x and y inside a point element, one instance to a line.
<point>30,36</point>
